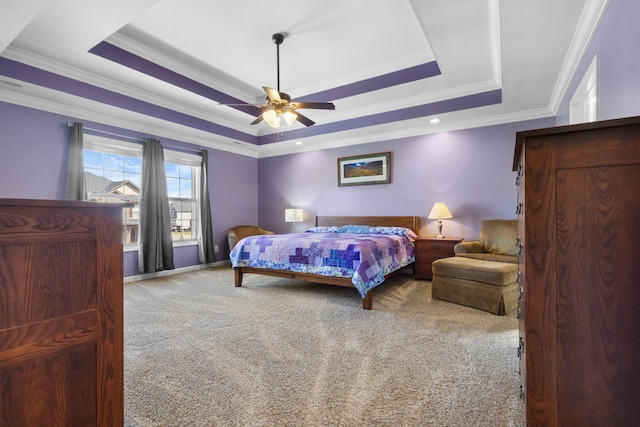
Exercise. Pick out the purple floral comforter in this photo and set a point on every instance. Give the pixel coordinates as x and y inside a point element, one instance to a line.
<point>364,257</point>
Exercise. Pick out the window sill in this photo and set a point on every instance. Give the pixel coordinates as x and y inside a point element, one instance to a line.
<point>176,244</point>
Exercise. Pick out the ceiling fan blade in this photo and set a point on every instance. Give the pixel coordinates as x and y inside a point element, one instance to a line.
<point>315,105</point>
<point>257,120</point>
<point>272,94</point>
<point>304,120</point>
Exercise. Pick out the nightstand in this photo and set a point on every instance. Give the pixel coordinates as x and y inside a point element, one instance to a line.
<point>429,249</point>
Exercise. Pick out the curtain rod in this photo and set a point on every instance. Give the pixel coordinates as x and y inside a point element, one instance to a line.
<point>139,140</point>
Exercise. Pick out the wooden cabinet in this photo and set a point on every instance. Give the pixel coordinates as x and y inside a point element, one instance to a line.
<point>429,249</point>
<point>61,314</point>
<point>579,232</point>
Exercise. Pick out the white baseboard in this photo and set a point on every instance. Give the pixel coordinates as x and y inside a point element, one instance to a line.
<point>164,273</point>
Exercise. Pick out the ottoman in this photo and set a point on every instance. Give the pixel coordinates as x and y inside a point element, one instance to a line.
<point>487,285</point>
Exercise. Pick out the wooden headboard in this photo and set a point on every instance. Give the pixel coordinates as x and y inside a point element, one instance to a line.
<point>380,221</point>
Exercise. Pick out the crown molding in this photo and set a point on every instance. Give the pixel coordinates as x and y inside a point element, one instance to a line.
<point>225,117</point>
<point>587,25</point>
<point>494,39</point>
<point>82,109</point>
<point>397,130</point>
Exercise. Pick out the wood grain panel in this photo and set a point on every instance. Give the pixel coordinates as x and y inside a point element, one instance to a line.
<point>46,280</point>
<point>48,336</point>
<point>540,252</point>
<point>18,224</point>
<point>110,317</point>
<point>600,147</point>
<point>598,297</point>
<point>61,314</point>
<point>50,391</point>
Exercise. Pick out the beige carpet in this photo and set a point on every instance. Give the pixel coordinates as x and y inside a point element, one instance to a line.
<point>276,352</point>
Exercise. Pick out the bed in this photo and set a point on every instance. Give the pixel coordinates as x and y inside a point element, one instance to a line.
<point>357,258</point>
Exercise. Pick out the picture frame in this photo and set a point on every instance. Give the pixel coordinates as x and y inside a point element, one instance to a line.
<point>365,169</point>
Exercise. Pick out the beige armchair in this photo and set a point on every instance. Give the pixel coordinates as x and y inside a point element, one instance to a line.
<point>240,232</point>
<point>497,242</point>
<point>484,272</point>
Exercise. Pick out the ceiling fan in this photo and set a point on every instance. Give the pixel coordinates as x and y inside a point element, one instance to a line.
<point>279,104</point>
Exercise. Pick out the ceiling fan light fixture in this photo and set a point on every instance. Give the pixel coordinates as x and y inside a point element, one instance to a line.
<point>272,118</point>
<point>277,118</point>
<point>289,117</point>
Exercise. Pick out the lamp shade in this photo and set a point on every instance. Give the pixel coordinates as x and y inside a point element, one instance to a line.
<point>289,117</point>
<point>277,117</point>
<point>272,118</point>
<point>439,210</point>
<point>293,215</point>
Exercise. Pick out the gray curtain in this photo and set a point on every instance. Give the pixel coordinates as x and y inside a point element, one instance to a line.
<point>76,187</point>
<point>206,253</point>
<point>156,250</point>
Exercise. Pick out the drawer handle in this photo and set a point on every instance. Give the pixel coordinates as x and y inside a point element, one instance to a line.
<point>436,257</point>
<point>436,246</point>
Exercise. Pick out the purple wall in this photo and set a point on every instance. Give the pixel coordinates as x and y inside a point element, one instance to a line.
<point>619,64</point>
<point>33,163</point>
<point>233,186</point>
<point>469,170</point>
<point>33,153</point>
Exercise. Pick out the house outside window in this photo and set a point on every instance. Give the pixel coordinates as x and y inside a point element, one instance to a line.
<point>113,173</point>
<point>182,199</point>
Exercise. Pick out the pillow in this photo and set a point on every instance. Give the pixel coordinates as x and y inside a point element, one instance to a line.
<point>355,229</point>
<point>400,231</point>
<point>365,229</point>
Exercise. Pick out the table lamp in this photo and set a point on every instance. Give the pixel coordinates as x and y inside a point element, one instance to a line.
<point>439,211</point>
<point>293,215</point>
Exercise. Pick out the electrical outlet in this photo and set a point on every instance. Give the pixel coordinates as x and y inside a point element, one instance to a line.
<point>216,249</point>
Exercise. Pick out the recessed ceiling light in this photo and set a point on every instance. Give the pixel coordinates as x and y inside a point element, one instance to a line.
<point>435,120</point>
<point>298,142</point>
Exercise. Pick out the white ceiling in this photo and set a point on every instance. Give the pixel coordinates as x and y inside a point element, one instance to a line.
<point>527,49</point>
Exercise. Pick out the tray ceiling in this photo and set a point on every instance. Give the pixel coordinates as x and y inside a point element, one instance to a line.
<point>389,66</point>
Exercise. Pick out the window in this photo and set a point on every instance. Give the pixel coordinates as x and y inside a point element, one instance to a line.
<point>113,171</point>
<point>183,173</point>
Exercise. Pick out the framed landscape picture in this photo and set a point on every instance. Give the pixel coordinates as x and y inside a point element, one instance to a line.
<point>367,169</point>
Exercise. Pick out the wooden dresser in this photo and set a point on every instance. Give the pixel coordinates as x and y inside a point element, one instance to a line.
<point>61,314</point>
<point>579,236</point>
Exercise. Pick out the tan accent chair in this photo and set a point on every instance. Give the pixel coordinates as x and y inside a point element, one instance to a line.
<point>497,242</point>
<point>240,232</point>
<point>483,274</point>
